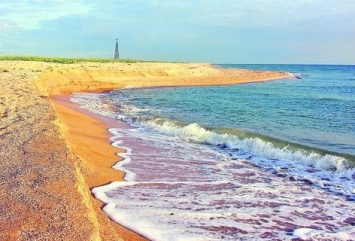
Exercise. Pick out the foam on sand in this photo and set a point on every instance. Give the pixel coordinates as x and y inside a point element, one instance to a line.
<point>192,192</point>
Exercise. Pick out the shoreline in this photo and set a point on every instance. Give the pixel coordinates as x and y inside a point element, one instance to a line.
<point>107,123</point>
<point>84,146</point>
<point>98,161</point>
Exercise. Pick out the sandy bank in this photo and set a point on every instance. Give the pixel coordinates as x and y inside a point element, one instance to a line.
<point>53,153</point>
<point>95,76</point>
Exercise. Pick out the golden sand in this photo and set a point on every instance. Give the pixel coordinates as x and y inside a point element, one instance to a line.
<point>53,152</point>
<point>96,76</point>
<point>87,136</point>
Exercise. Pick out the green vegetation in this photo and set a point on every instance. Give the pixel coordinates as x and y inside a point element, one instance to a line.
<point>67,60</point>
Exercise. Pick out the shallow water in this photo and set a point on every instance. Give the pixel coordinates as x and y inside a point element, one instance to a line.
<point>189,191</point>
<point>246,162</point>
<point>317,111</point>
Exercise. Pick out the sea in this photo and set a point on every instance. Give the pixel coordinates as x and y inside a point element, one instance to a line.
<point>259,161</point>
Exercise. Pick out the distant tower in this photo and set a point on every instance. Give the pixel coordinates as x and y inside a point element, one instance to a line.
<point>117,54</point>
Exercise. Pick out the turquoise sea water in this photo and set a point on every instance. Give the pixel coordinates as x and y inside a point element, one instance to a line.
<point>317,111</point>
<point>257,161</point>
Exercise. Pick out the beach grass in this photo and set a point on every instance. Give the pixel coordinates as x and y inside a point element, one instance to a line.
<point>67,60</point>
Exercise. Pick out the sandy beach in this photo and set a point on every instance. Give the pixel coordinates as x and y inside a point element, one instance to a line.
<point>53,153</point>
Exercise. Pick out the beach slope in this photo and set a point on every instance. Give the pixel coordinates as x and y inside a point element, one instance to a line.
<point>49,158</point>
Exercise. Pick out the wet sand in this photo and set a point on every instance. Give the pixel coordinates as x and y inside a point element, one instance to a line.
<point>53,153</point>
<point>87,135</point>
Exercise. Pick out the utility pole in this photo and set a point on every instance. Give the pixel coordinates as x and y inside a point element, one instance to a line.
<point>117,54</point>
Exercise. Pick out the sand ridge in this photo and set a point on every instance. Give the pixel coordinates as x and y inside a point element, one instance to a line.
<point>47,170</point>
<point>94,76</point>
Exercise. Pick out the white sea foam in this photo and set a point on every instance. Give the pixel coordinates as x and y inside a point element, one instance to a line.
<point>312,234</point>
<point>330,171</point>
<point>187,191</point>
<point>93,102</point>
<point>129,176</point>
<point>178,189</point>
<point>297,75</point>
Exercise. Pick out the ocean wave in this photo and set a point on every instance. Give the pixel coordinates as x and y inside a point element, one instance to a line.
<point>330,172</point>
<point>256,146</point>
<point>297,75</point>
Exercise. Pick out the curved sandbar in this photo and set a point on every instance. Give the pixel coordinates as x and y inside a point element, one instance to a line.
<point>53,152</point>
<point>98,76</point>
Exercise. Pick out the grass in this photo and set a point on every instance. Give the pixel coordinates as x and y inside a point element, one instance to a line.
<point>67,60</point>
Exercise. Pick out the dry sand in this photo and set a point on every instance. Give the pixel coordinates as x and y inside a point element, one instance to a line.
<point>52,152</point>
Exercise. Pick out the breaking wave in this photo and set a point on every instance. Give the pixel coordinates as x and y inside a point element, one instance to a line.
<point>327,171</point>
<point>331,172</point>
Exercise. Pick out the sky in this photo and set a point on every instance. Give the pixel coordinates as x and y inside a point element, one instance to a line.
<point>224,31</point>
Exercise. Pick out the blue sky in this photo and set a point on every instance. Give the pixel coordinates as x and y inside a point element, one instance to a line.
<point>225,31</point>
